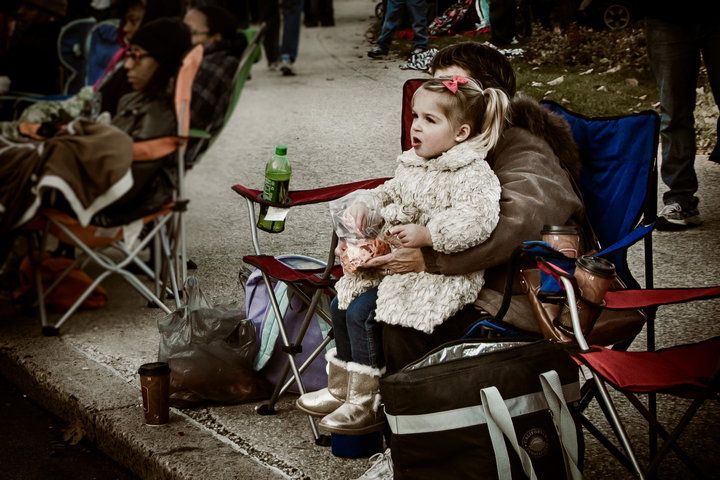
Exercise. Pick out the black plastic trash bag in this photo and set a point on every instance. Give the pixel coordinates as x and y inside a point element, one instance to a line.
<point>210,350</point>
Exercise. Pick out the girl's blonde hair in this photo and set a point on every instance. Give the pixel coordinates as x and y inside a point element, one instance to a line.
<point>487,111</point>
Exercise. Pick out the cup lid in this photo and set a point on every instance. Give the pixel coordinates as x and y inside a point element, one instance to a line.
<point>559,230</point>
<point>596,265</point>
<point>154,368</point>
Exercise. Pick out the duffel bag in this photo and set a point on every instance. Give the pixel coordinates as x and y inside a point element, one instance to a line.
<point>486,409</point>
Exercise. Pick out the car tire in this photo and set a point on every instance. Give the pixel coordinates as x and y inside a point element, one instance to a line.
<point>614,15</point>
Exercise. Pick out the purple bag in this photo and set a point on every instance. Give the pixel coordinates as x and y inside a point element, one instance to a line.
<point>271,360</point>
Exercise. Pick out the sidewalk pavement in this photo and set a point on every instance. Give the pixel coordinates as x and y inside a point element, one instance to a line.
<point>339,118</point>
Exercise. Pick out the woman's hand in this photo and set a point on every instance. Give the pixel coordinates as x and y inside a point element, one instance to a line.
<point>402,260</point>
<point>411,236</point>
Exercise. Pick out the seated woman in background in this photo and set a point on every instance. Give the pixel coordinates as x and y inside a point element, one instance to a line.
<point>151,64</point>
<point>216,29</point>
<point>133,14</point>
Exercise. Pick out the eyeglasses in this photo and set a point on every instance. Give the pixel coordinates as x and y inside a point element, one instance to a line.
<point>136,56</point>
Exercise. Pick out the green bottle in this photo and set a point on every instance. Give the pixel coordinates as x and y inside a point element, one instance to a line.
<point>277,182</point>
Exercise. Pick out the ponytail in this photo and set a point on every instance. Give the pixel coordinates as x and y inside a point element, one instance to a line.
<point>494,119</point>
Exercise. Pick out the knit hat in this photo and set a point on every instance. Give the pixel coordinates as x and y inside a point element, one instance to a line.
<point>166,40</point>
<point>58,7</point>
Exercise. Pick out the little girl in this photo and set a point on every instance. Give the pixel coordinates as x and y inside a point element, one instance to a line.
<point>445,196</point>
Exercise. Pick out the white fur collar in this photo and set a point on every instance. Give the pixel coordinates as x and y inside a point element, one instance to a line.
<point>457,157</point>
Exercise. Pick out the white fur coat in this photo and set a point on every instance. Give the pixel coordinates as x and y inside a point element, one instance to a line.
<point>457,197</point>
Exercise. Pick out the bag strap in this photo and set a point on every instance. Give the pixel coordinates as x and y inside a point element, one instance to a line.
<point>564,422</point>
<point>499,423</point>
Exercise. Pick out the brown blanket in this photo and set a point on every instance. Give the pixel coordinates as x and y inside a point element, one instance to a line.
<point>89,163</point>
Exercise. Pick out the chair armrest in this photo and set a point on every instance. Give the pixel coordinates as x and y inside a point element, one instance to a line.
<point>306,197</point>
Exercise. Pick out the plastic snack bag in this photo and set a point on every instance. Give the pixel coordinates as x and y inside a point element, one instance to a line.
<point>358,223</point>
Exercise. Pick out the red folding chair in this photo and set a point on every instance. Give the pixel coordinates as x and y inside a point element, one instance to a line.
<point>309,285</point>
<point>686,371</point>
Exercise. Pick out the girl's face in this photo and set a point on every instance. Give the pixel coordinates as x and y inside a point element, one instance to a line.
<point>140,67</point>
<point>197,22</point>
<point>432,132</point>
<point>132,20</point>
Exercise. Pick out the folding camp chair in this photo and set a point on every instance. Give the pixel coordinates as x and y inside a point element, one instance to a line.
<point>308,285</point>
<point>72,52</point>
<point>101,45</point>
<point>686,371</point>
<point>164,226</point>
<point>250,56</point>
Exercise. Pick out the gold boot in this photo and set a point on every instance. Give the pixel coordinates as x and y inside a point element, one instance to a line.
<point>326,400</point>
<point>360,414</point>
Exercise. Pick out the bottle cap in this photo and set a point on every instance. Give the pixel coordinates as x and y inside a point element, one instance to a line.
<point>155,368</point>
<point>596,265</point>
<point>559,230</point>
<point>281,150</point>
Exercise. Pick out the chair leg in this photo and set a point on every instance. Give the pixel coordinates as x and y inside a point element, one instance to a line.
<point>669,439</point>
<point>618,426</point>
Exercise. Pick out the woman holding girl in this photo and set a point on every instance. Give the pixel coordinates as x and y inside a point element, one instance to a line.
<point>444,196</point>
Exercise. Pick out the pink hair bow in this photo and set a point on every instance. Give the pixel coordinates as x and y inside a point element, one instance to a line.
<point>452,85</point>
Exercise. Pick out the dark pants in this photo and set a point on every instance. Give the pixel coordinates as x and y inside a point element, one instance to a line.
<point>357,334</point>
<point>502,22</point>
<point>403,345</point>
<point>675,51</point>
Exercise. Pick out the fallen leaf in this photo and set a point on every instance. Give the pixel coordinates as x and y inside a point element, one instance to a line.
<point>601,88</point>
<point>656,105</point>
<point>642,97</point>
<point>74,433</point>
<point>549,92</point>
<point>556,81</point>
<point>564,101</point>
<point>537,84</point>
<point>633,82</point>
<point>613,70</point>
<point>587,72</point>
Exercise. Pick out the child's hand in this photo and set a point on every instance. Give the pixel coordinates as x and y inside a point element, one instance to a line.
<point>412,236</point>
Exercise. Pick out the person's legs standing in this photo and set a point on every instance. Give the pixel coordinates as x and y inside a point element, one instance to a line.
<point>393,17</point>
<point>710,47</point>
<point>291,19</point>
<point>268,11</point>
<point>502,21</point>
<point>674,52</point>
<point>418,10</point>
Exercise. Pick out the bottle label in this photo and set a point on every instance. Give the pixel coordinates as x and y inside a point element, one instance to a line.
<point>275,191</point>
<point>275,214</point>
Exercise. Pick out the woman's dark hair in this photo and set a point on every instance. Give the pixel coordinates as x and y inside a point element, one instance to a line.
<point>153,9</point>
<point>483,63</point>
<point>166,40</point>
<point>219,20</point>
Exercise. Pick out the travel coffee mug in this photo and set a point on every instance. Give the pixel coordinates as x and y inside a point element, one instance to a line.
<point>155,387</point>
<point>563,238</point>
<point>594,275</point>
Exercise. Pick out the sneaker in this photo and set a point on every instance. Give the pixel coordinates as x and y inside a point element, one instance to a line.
<point>377,52</point>
<point>381,468</point>
<point>286,66</point>
<point>674,217</point>
<point>274,66</point>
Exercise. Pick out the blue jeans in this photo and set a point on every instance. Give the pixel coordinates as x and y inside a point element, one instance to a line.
<point>357,334</point>
<point>393,17</point>
<point>291,19</point>
<point>674,51</point>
